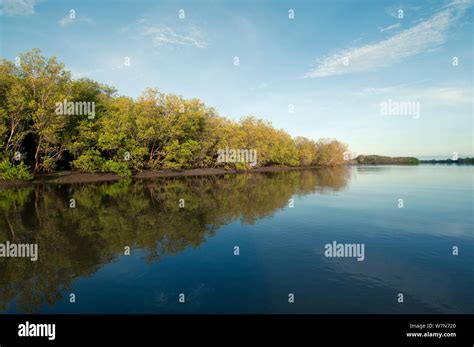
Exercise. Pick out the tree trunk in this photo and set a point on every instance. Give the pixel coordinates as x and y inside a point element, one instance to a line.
<point>37,157</point>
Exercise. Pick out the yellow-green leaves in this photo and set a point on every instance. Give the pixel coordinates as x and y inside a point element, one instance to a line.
<point>49,118</point>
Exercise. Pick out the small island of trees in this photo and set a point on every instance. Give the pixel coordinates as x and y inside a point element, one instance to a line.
<point>383,160</point>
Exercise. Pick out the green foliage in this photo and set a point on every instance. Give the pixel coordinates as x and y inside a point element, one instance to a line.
<point>120,168</point>
<point>9,171</point>
<point>329,152</point>
<point>89,161</point>
<point>179,156</point>
<point>382,160</point>
<point>155,131</point>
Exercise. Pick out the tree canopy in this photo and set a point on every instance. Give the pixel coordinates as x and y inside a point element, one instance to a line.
<point>123,135</point>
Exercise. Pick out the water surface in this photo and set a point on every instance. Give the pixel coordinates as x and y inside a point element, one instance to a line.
<point>190,250</point>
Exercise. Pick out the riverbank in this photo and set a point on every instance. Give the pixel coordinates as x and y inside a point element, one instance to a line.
<point>75,177</point>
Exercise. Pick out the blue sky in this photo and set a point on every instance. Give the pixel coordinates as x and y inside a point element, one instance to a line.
<point>335,61</point>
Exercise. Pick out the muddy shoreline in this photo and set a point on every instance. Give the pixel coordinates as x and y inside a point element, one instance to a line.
<point>73,177</point>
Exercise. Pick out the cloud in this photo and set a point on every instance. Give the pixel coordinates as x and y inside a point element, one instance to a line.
<point>454,95</point>
<point>422,37</point>
<point>167,36</point>
<point>390,27</point>
<point>17,7</point>
<point>67,20</point>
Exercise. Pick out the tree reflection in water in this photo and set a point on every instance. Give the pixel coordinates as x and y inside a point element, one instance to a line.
<point>76,242</point>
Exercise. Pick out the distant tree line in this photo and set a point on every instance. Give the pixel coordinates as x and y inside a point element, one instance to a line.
<point>43,128</point>
<point>383,160</point>
<point>461,161</point>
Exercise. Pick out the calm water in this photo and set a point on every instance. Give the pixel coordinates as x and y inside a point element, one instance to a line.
<point>191,250</point>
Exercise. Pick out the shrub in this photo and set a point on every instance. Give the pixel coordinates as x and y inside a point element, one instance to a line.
<point>9,171</point>
<point>117,167</point>
<point>90,161</point>
<point>180,156</point>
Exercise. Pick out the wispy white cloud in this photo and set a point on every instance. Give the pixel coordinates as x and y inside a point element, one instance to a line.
<point>440,95</point>
<point>390,27</point>
<point>164,35</point>
<point>17,7</point>
<point>422,37</point>
<point>67,20</point>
